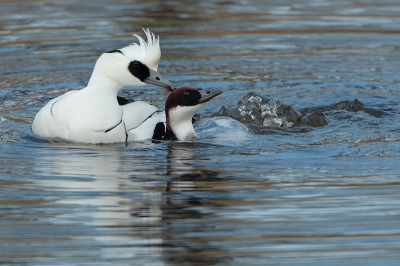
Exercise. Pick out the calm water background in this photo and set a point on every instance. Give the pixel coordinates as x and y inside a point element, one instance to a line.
<point>329,196</point>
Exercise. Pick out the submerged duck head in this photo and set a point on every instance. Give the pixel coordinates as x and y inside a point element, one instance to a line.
<point>133,65</point>
<point>180,107</point>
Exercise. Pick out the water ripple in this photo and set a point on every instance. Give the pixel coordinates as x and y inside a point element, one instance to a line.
<point>253,196</point>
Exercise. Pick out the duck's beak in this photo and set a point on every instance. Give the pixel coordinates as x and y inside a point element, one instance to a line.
<point>156,79</point>
<point>207,95</point>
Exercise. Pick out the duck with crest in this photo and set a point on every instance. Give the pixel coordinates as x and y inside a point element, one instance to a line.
<point>95,114</point>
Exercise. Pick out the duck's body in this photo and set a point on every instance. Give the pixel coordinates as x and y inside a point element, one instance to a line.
<point>93,114</point>
<point>75,116</point>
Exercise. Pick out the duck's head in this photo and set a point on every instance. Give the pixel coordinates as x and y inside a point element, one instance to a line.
<point>133,65</point>
<point>180,107</point>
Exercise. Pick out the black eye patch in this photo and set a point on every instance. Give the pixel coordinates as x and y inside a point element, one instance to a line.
<point>189,98</point>
<point>139,70</point>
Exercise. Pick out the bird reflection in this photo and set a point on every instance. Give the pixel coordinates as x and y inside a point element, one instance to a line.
<point>183,166</point>
<point>154,207</point>
<point>184,212</point>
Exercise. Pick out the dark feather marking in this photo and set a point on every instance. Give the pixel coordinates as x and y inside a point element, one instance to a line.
<point>126,135</point>
<point>124,101</point>
<point>144,121</point>
<point>111,128</point>
<point>163,133</point>
<point>159,131</point>
<point>114,51</point>
<point>51,108</point>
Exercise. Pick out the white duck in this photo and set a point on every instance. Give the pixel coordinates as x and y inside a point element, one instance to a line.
<point>93,114</point>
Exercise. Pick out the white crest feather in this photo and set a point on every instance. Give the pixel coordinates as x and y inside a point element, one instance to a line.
<point>149,53</point>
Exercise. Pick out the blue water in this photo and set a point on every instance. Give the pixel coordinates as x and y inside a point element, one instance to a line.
<point>321,196</point>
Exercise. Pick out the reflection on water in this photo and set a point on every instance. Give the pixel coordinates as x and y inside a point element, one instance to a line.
<point>320,196</point>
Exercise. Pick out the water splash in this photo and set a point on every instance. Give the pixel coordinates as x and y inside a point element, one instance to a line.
<point>257,110</point>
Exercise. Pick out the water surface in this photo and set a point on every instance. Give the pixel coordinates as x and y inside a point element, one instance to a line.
<point>325,196</point>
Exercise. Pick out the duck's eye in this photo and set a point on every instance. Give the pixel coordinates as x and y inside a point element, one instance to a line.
<point>185,94</point>
<point>135,64</point>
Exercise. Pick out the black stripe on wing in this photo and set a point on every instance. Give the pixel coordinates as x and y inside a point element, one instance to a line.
<point>111,128</point>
